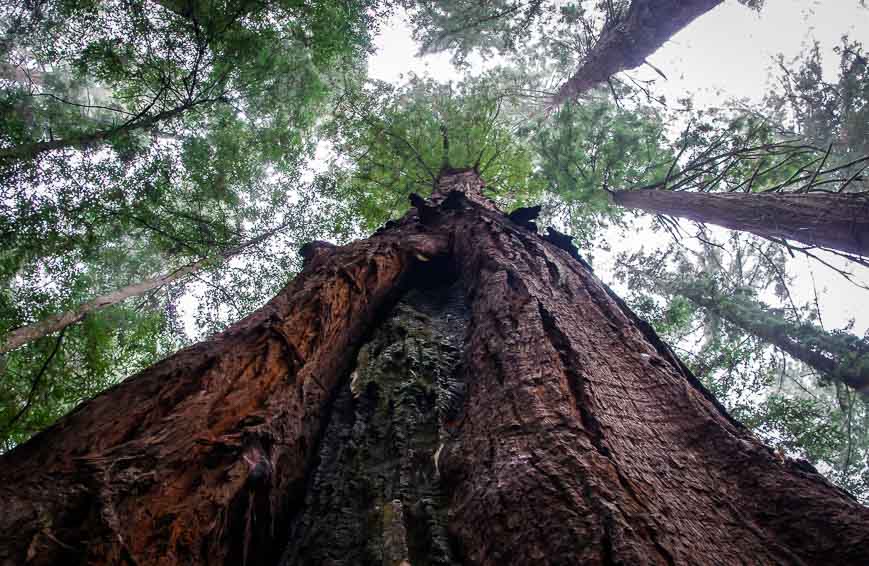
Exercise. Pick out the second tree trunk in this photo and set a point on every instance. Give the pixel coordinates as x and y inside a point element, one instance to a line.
<point>837,221</point>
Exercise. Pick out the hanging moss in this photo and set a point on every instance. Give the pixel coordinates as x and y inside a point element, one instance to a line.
<point>376,496</point>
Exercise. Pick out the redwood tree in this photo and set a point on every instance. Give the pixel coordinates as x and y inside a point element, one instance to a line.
<point>839,356</point>
<point>830,220</point>
<point>454,389</point>
<point>645,26</point>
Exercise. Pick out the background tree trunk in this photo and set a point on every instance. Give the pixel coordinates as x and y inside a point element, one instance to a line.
<point>837,221</point>
<point>647,25</point>
<point>563,430</point>
<point>91,139</point>
<point>835,357</point>
<point>55,323</point>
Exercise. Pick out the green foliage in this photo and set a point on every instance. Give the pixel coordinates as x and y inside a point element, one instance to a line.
<point>40,386</point>
<point>815,427</point>
<point>706,304</point>
<point>585,150</point>
<point>303,212</point>
<point>136,138</point>
<point>821,112</point>
<point>556,36</point>
<point>392,141</point>
<point>463,26</point>
<point>563,31</point>
<point>809,135</point>
<point>835,355</point>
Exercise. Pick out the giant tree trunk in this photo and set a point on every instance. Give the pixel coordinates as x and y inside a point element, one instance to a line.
<point>837,221</point>
<point>454,390</point>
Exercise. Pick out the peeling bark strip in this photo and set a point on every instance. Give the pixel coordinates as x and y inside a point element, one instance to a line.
<point>580,439</point>
<point>646,27</point>
<point>837,221</point>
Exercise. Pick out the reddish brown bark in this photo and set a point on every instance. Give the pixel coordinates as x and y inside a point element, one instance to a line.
<point>646,27</point>
<point>581,439</point>
<point>837,221</point>
<point>199,459</point>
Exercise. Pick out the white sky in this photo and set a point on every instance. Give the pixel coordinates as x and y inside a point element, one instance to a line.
<point>726,53</point>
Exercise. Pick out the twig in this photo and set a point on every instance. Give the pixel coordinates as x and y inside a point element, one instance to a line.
<point>35,384</point>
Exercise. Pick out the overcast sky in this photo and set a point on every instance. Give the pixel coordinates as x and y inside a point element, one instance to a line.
<point>724,54</point>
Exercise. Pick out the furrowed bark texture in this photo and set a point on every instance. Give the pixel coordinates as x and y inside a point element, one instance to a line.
<point>199,459</point>
<point>837,221</point>
<point>646,27</point>
<point>509,409</point>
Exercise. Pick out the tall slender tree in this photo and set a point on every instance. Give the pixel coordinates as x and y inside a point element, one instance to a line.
<point>58,322</point>
<point>793,170</point>
<point>833,221</point>
<point>836,356</point>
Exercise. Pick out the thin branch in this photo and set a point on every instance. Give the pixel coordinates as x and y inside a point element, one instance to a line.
<point>87,106</point>
<point>35,383</point>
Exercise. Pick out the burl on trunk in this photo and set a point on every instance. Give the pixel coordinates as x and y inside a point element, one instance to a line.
<point>454,390</point>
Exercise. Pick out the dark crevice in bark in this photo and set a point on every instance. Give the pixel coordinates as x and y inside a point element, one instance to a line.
<point>525,217</point>
<point>575,380</point>
<point>591,424</point>
<point>428,272</point>
<point>375,495</point>
<point>606,544</point>
<point>206,460</point>
<point>523,415</point>
<point>565,242</point>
